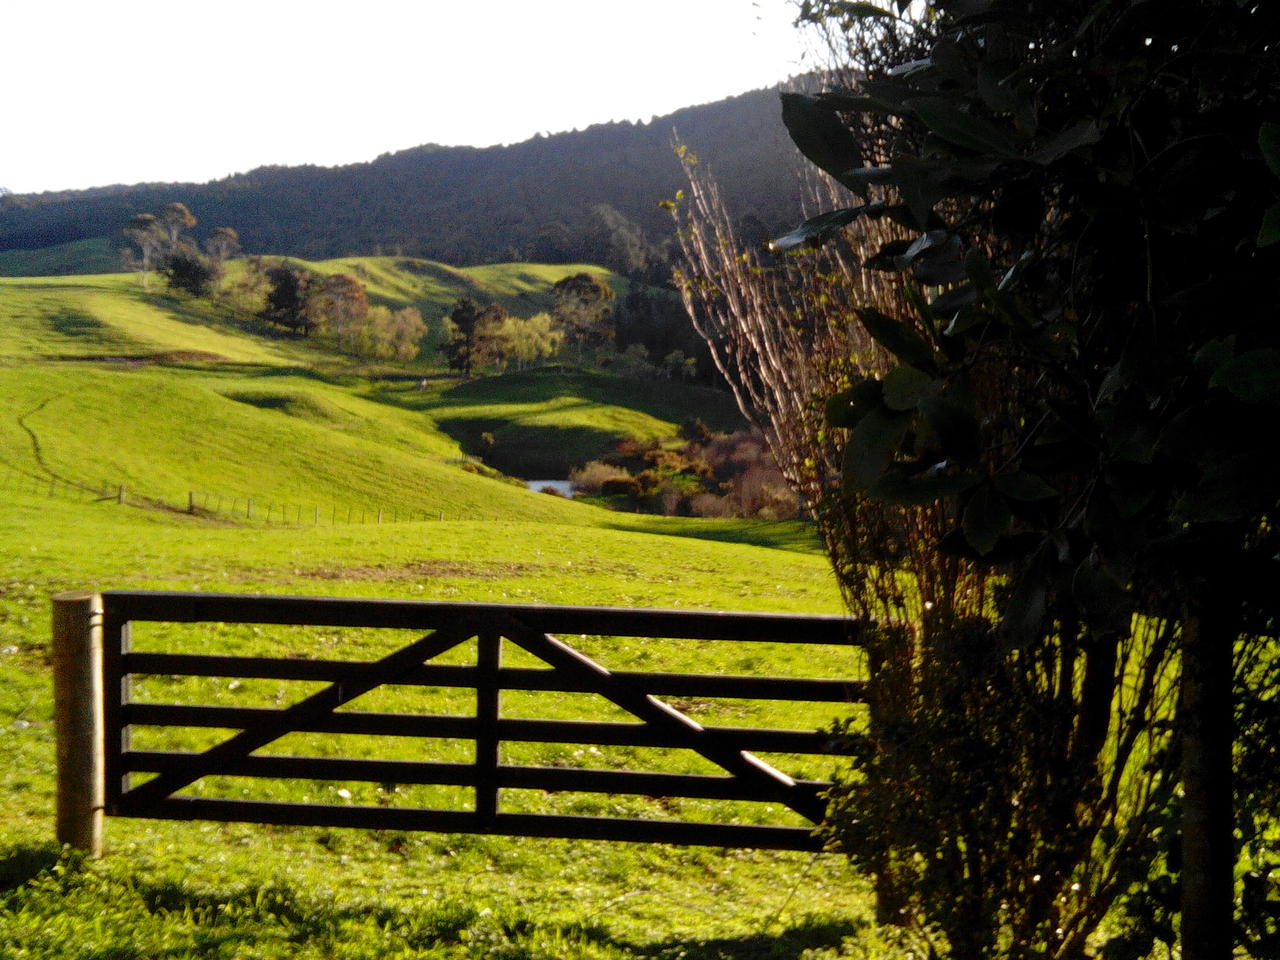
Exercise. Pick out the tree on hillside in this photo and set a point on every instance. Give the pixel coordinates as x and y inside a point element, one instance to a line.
<point>473,335</point>
<point>382,334</point>
<point>145,233</point>
<point>583,308</point>
<point>1060,417</point>
<point>222,244</point>
<point>187,269</point>
<point>396,334</point>
<point>336,308</point>
<point>286,300</point>
<point>335,303</point>
<point>175,219</point>
<point>161,243</point>
<point>527,340</point>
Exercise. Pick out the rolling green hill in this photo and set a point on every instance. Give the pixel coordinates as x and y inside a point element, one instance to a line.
<point>238,409</point>
<point>104,386</point>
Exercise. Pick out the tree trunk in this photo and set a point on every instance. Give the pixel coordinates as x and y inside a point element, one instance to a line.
<point>1208,855</point>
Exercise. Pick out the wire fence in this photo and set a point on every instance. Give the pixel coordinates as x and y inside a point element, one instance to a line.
<point>213,505</point>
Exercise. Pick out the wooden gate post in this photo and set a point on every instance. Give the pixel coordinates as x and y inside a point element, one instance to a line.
<point>78,723</point>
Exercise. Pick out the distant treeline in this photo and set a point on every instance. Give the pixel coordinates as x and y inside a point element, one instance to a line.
<point>588,196</point>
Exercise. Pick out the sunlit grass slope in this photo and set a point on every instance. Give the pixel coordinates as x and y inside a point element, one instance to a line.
<point>113,316</point>
<point>87,315</point>
<point>520,288</point>
<point>270,436</point>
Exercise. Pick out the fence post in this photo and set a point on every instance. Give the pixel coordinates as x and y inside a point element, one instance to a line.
<point>488,663</point>
<point>191,501</point>
<point>78,722</point>
<point>120,494</point>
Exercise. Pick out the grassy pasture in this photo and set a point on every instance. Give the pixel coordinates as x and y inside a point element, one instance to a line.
<point>267,421</point>
<point>364,892</point>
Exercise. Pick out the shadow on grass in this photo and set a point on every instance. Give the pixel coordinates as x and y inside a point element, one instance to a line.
<point>24,863</point>
<point>532,451</point>
<point>182,916</point>
<point>73,325</point>
<point>662,399</point>
<point>795,536</point>
<point>786,944</point>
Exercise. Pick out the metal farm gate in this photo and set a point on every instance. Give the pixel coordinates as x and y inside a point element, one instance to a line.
<point>82,621</point>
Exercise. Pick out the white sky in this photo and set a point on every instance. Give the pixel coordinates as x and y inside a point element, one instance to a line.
<point>95,92</point>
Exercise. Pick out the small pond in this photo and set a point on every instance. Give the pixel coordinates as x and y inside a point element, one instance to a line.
<point>562,487</point>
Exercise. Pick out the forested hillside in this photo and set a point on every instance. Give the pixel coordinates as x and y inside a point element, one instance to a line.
<point>586,196</point>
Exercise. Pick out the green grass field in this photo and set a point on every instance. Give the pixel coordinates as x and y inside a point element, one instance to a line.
<point>105,386</point>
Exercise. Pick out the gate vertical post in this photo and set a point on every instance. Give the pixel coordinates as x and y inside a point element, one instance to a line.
<point>488,662</point>
<point>78,719</point>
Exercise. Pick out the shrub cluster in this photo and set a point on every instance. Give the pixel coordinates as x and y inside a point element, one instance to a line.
<point>724,475</point>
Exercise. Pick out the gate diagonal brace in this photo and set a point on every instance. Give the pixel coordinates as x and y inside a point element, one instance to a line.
<point>305,711</point>
<point>684,731</point>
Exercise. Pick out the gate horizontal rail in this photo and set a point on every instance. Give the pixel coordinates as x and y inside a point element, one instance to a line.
<point>531,628</point>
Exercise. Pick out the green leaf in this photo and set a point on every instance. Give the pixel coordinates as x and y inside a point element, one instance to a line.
<point>1024,486</point>
<point>871,446</point>
<point>944,118</point>
<point>1006,549</point>
<point>950,65</point>
<point>1002,98</point>
<point>1253,377</point>
<point>948,302</point>
<point>1269,233</point>
<point>860,11</point>
<point>896,487</point>
<point>899,339</point>
<point>986,519</point>
<point>919,182</point>
<point>863,177</point>
<point>820,134</point>
<point>955,427</point>
<point>886,258</point>
<point>846,408</point>
<point>1215,353</point>
<point>1023,616</point>
<point>909,69</point>
<point>1083,134</point>
<point>979,271</point>
<point>816,231</point>
<point>892,94</point>
<point>1269,142</point>
<point>936,258</point>
<point>905,387</point>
